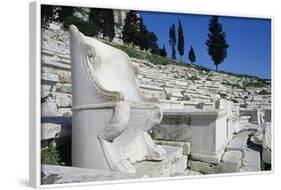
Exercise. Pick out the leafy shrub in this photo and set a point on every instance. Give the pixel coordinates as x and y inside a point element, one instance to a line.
<point>44,24</point>
<point>49,155</point>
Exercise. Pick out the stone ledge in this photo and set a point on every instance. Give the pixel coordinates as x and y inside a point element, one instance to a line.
<point>174,163</point>
<point>61,174</point>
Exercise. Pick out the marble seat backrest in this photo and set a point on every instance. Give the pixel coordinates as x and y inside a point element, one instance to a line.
<point>114,70</point>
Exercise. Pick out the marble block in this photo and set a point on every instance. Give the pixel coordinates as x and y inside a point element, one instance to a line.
<point>209,135</point>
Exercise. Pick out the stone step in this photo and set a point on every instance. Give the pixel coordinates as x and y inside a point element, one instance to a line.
<point>53,78</point>
<point>188,172</point>
<point>231,161</point>
<point>175,163</point>
<point>49,52</point>
<point>186,146</point>
<point>251,162</point>
<point>52,174</point>
<point>56,64</point>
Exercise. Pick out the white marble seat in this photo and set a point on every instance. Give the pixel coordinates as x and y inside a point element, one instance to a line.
<point>110,116</point>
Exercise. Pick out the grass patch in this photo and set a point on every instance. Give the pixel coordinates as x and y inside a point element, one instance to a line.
<point>264,92</point>
<point>233,85</point>
<point>255,84</point>
<point>158,60</point>
<point>130,51</point>
<point>44,24</point>
<point>193,78</point>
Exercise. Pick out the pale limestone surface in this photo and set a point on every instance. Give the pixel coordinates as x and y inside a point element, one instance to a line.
<point>175,126</point>
<point>110,117</point>
<point>52,174</point>
<point>209,135</point>
<point>174,163</point>
<point>231,161</point>
<point>186,146</point>
<point>267,146</point>
<point>50,131</point>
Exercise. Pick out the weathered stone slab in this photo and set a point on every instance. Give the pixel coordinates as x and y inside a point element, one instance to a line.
<point>174,163</point>
<point>186,146</point>
<point>239,141</point>
<point>64,88</point>
<point>61,174</point>
<point>267,115</point>
<point>188,172</point>
<point>45,90</point>
<point>50,131</point>
<point>49,77</point>
<point>202,167</point>
<point>49,108</point>
<point>48,61</point>
<point>175,126</point>
<point>65,112</point>
<point>63,100</point>
<point>209,135</point>
<point>231,161</point>
<point>256,115</point>
<point>266,152</point>
<point>251,162</point>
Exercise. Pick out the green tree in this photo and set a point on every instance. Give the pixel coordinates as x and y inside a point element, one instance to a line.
<point>64,12</point>
<point>142,36</point>
<point>152,43</point>
<point>173,40</point>
<point>191,55</point>
<point>163,52</point>
<point>95,18</point>
<point>131,28</point>
<point>180,40</point>
<point>216,42</point>
<point>47,13</point>
<point>107,28</point>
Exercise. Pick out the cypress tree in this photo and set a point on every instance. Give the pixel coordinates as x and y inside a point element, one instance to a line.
<point>163,52</point>
<point>95,18</point>
<point>131,28</point>
<point>191,55</point>
<point>216,42</point>
<point>47,13</point>
<point>107,28</point>
<point>64,12</point>
<point>152,43</point>
<point>142,36</point>
<point>173,40</point>
<point>180,40</point>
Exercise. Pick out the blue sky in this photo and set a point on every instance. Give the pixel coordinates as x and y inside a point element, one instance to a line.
<point>249,40</point>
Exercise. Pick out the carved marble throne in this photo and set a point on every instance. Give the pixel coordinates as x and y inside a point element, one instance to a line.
<point>110,116</point>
